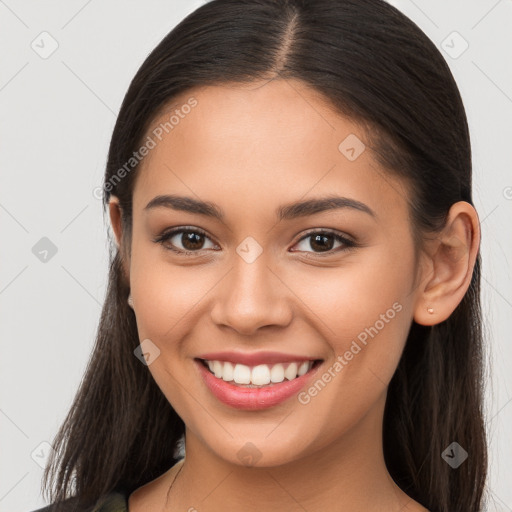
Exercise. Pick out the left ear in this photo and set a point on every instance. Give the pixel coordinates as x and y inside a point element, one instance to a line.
<point>450,259</point>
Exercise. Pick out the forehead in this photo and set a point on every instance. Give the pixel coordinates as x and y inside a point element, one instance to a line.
<point>259,143</point>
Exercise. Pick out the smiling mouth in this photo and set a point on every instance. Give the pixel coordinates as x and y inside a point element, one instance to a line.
<point>262,375</point>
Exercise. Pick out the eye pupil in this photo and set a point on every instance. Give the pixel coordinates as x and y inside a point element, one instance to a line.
<point>188,238</point>
<point>320,240</point>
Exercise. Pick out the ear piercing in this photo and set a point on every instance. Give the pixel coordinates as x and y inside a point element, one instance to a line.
<point>430,310</point>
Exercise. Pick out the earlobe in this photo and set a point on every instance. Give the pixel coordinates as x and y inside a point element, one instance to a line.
<point>452,256</point>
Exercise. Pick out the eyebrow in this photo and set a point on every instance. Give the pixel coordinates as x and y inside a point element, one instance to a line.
<point>284,212</point>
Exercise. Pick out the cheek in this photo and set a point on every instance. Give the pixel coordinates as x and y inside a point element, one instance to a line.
<point>367,330</point>
<point>165,294</point>
<point>355,295</point>
<point>363,311</point>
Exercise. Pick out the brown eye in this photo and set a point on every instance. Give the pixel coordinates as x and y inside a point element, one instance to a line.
<point>324,241</point>
<point>184,241</point>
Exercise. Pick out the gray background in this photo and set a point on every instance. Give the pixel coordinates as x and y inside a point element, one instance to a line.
<point>57,116</point>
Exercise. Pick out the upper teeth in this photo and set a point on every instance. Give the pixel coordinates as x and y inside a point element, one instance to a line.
<point>258,375</point>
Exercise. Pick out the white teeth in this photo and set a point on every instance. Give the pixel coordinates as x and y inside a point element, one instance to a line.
<point>291,372</point>
<point>303,368</point>
<point>260,375</point>
<point>242,374</point>
<point>227,371</point>
<point>217,369</point>
<point>277,373</point>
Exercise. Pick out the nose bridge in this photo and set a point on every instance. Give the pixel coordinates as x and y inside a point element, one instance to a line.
<point>252,296</point>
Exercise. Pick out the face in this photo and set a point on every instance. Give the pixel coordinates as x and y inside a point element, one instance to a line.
<point>333,286</point>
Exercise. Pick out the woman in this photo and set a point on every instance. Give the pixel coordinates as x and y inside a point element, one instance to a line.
<point>294,286</point>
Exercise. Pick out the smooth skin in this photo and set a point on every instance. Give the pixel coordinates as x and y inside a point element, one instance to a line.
<point>250,149</point>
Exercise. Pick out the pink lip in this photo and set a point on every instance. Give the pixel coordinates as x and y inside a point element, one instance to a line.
<point>253,398</point>
<point>255,358</point>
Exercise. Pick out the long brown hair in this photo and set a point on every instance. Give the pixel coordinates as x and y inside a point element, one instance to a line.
<point>377,67</point>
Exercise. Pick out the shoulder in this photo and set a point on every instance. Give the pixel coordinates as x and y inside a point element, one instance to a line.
<point>115,501</point>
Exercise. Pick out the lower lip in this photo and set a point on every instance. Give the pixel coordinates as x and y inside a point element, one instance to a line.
<point>253,398</point>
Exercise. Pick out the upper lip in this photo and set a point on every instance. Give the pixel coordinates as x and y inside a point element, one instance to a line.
<point>255,358</point>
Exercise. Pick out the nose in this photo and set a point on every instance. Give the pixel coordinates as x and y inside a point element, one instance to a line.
<point>252,296</point>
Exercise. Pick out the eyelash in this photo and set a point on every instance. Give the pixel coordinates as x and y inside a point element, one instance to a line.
<point>349,244</point>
